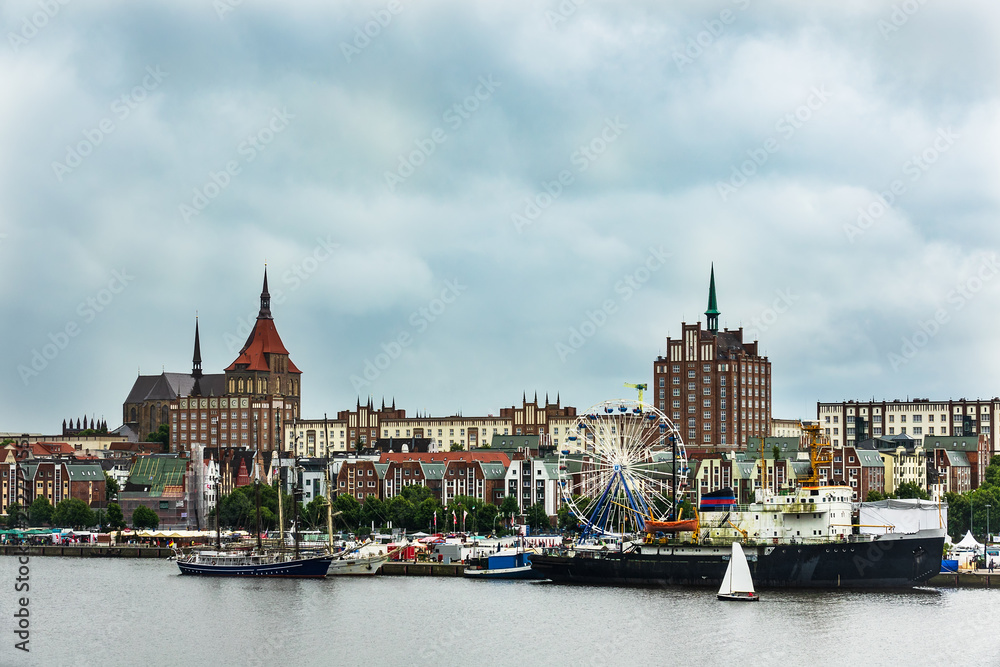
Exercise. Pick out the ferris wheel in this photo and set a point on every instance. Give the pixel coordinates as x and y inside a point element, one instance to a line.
<point>623,463</point>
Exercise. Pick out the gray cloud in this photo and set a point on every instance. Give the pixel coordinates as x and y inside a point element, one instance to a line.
<point>888,93</point>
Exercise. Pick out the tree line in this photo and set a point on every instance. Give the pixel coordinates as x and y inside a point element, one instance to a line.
<point>414,509</point>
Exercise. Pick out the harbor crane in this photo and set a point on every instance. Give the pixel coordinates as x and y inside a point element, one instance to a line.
<point>639,387</point>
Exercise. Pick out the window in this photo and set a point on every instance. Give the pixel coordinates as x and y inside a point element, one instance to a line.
<point>677,392</point>
<point>902,418</point>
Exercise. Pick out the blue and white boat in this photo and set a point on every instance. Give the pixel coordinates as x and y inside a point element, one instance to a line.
<point>508,564</point>
<point>253,564</point>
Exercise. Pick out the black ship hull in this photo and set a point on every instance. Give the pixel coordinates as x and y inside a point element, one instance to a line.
<point>890,561</point>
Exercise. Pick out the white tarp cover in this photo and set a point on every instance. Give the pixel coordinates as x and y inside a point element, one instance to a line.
<point>902,516</point>
<point>969,542</point>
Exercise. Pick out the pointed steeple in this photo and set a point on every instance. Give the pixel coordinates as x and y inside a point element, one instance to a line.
<point>196,360</point>
<point>713,307</point>
<point>265,301</point>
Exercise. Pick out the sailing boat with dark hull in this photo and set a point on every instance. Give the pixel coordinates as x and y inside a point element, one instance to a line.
<point>257,562</point>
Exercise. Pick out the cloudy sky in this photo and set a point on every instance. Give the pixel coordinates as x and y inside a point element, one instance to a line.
<point>528,194</point>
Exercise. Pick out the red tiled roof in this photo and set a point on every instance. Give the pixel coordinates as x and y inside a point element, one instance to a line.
<point>445,457</point>
<point>263,340</point>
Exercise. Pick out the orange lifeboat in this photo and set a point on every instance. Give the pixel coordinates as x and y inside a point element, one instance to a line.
<point>671,526</point>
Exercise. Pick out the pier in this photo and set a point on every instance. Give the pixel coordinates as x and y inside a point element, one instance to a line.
<point>422,569</point>
<point>86,551</point>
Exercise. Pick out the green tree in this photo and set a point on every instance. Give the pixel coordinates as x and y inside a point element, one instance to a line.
<point>314,514</point>
<point>456,447</point>
<point>400,512</point>
<point>40,512</point>
<point>15,515</point>
<point>349,508</point>
<point>143,517</point>
<point>111,488</point>
<point>73,513</point>
<point>509,508</point>
<point>487,517</point>
<point>875,496</point>
<point>992,473</point>
<point>537,518</point>
<point>116,519</point>
<point>374,510</point>
<point>101,518</point>
<point>911,490</point>
<point>161,434</point>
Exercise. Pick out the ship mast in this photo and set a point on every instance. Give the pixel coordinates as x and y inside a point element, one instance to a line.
<point>329,511</point>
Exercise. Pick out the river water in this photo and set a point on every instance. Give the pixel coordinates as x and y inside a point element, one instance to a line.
<point>142,612</point>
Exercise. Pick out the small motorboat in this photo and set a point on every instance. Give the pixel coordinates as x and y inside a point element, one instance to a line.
<point>509,564</point>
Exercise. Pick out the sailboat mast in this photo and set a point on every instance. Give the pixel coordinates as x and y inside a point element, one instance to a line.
<point>256,488</point>
<point>281,511</point>
<point>218,500</point>
<point>329,511</point>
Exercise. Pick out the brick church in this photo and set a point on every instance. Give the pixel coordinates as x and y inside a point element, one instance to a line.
<point>244,407</point>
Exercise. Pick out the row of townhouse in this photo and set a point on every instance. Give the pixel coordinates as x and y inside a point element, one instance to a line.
<point>847,422</point>
<point>361,427</point>
<point>56,479</point>
<point>938,464</point>
<point>487,475</point>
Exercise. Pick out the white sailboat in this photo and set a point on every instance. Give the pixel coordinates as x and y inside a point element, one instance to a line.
<point>737,583</point>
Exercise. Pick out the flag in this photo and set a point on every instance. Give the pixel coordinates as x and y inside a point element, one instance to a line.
<point>435,519</point>
<point>171,545</point>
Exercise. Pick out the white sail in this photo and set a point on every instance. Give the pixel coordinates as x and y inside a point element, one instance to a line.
<point>727,579</point>
<point>738,579</point>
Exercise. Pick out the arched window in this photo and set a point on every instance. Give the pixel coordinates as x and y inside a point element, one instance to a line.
<point>241,385</point>
<point>164,414</point>
<point>264,383</point>
<point>132,418</point>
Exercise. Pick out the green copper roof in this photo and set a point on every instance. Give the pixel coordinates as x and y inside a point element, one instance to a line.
<point>713,306</point>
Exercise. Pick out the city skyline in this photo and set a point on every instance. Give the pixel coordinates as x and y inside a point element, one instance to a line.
<point>504,213</point>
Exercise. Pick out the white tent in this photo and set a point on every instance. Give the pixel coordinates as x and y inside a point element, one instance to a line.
<point>969,542</point>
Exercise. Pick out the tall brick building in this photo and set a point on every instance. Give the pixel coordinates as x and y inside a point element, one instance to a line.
<point>715,387</point>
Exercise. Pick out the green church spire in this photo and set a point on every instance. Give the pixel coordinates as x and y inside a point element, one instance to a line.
<point>713,308</point>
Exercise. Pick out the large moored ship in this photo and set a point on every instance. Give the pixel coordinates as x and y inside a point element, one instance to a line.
<point>802,538</point>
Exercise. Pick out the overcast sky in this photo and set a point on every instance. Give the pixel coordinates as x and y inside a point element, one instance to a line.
<point>528,194</point>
